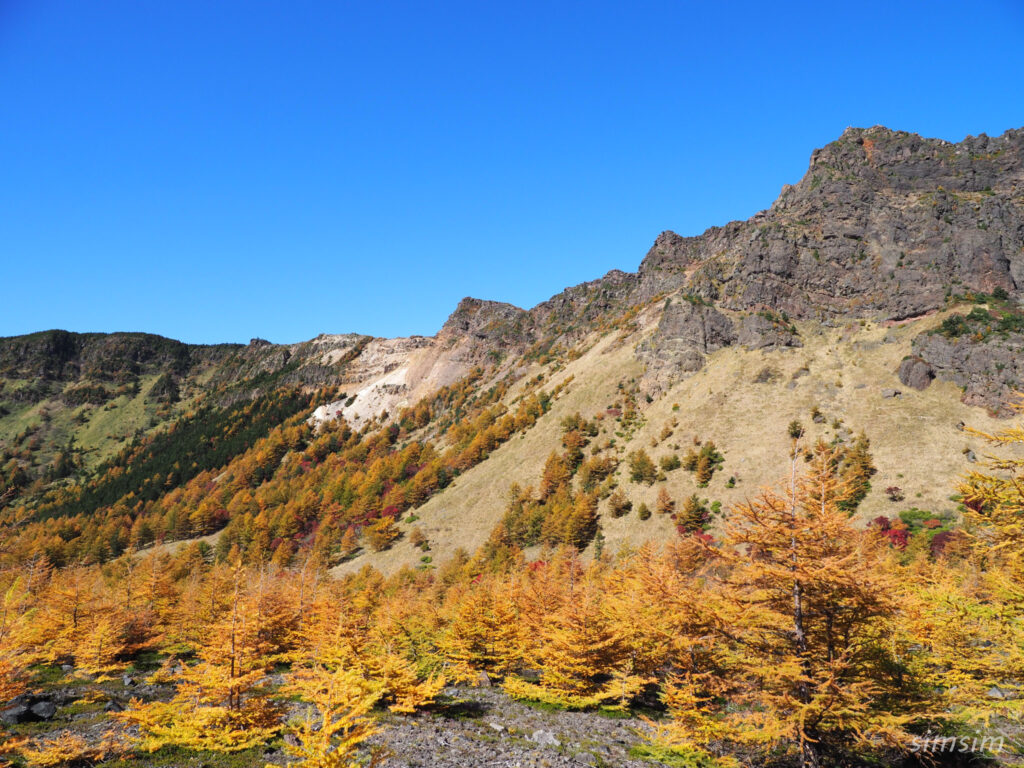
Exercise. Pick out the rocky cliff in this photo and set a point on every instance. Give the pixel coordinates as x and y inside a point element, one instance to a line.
<point>884,225</point>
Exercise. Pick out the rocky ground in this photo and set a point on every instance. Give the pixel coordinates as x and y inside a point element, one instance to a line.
<point>468,728</point>
<point>484,727</point>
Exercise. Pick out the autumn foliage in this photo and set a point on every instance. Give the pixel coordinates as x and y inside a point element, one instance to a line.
<point>780,629</point>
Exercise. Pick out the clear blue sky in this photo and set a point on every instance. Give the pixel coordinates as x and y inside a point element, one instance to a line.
<point>213,171</point>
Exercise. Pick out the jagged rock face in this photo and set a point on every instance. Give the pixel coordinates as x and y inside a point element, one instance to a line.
<point>686,332</point>
<point>695,326</point>
<point>689,329</point>
<point>482,327</point>
<point>882,224</point>
<point>576,310</point>
<point>989,372</point>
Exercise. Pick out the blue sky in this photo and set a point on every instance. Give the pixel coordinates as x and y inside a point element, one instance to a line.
<point>213,171</point>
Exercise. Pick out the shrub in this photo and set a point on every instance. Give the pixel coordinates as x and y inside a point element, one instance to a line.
<point>618,504</point>
<point>670,462</point>
<point>641,468</point>
<point>954,326</point>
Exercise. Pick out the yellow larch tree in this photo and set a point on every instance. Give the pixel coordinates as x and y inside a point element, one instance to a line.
<point>803,608</point>
<point>338,722</point>
<point>570,640</point>
<point>14,614</point>
<point>216,706</point>
<point>970,614</point>
<point>481,628</point>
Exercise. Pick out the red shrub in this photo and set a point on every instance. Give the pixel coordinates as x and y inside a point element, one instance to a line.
<point>898,537</point>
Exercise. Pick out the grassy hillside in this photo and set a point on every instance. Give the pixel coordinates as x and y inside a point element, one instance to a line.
<point>743,401</point>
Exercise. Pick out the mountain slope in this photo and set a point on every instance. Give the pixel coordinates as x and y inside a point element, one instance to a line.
<point>896,263</point>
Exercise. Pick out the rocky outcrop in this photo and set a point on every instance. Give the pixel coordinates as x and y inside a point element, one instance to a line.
<point>690,329</point>
<point>882,224</point>
<point>576,311</point>
<point>482,329</point>
<point>989,371</point>
<point>766,330</point>
<point>686,332</point>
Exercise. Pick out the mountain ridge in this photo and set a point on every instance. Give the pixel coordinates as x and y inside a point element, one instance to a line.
<point>884,227</point>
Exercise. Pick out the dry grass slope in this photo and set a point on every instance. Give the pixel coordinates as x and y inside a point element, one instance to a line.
<point>843,371</point>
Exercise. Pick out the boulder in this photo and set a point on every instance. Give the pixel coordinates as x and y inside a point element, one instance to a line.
<point>19,713</point>
<point>43,710</point>
<point>545,738</point>
<point>915,372</point>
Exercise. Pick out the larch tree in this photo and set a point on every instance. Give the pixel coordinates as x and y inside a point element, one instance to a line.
<point>215,706</point>
<point>13,677</point>
<point>574,644</point>
<point>557,472</point>
<point>803,607</point>
<point>481,631</point>
<point>337,723</point>
<point>983,644</point>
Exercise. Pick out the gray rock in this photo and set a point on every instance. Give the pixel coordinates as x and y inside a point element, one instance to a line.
<point>988,370</point>
<point>44,710</point>
<point>765,331</point>
<point>19,713</point>
<point>891,393</point>
<point>915,372</point>
<point>545,738</point>
<point>687,330</point>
